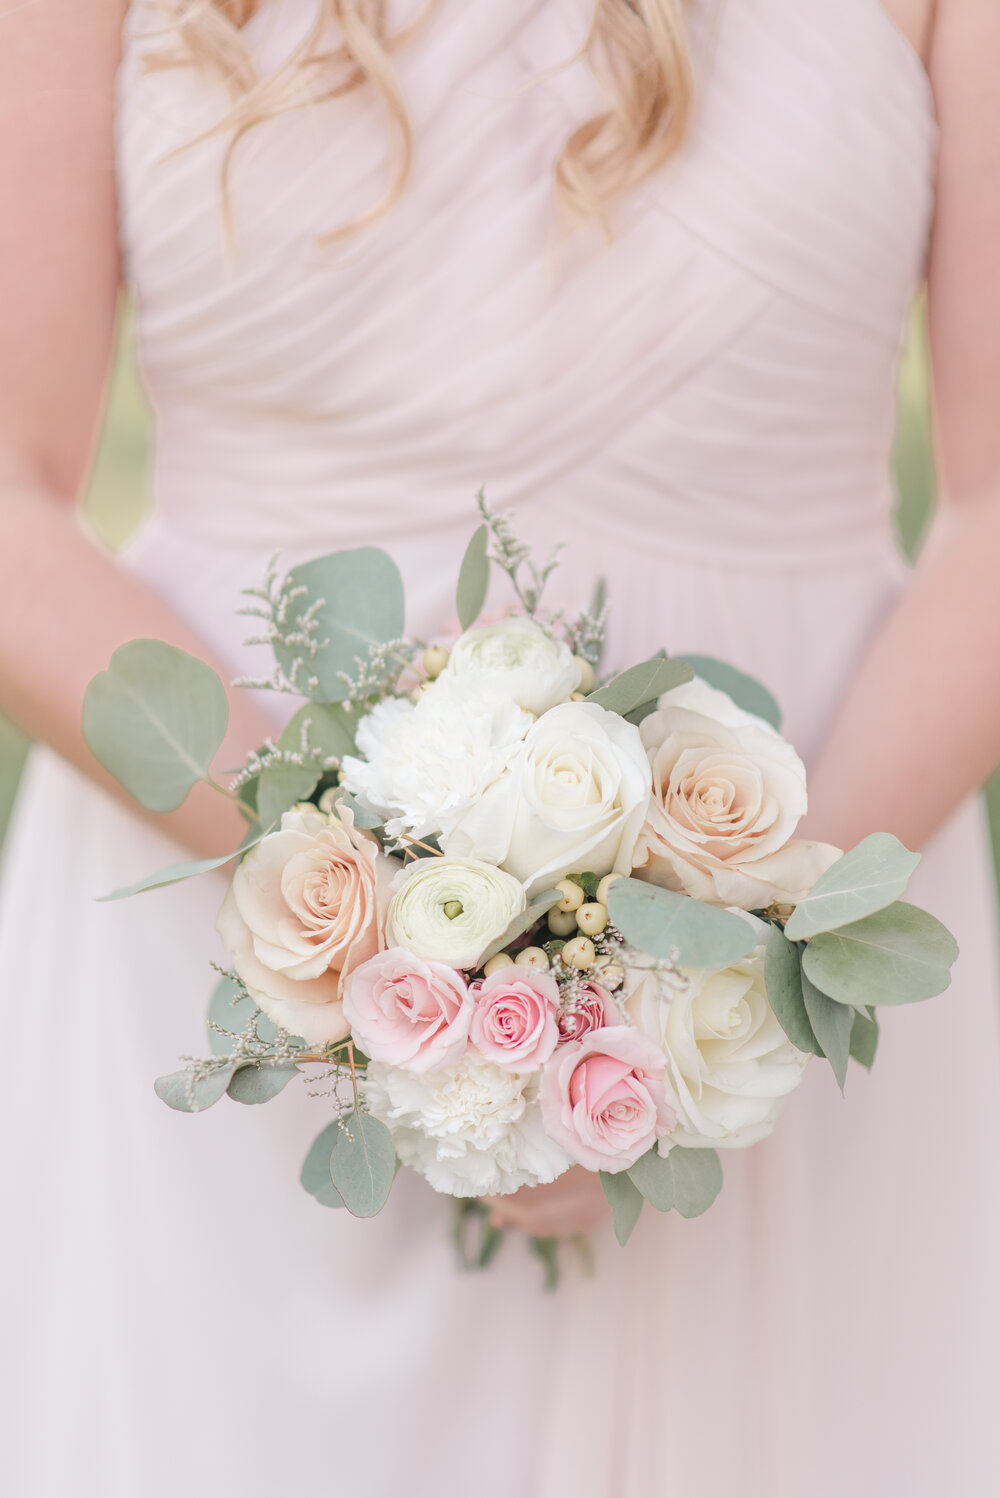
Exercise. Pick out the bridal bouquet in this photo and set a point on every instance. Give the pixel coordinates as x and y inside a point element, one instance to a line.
<point>518,916</point>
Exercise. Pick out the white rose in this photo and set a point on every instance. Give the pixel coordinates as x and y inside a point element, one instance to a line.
<point>730,1066</point>
<point>728,792</point>
<point>305,907</point>
<point>472,1129</point>
<point>574,800</point>
<point>516,659</point>
<point>425,764</point>
<point>450,909</point>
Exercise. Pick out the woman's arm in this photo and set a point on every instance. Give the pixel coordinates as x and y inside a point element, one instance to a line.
<point>65,605</point>
<point>920,726</point>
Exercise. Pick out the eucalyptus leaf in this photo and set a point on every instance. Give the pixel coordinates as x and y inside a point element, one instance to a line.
<point>625,1201</point>
<point>541,905</point>
<point>746,691</point>
<point>900,955</point>
<point>155,718</point>
<point>641,684</point>
<point>473,578</point>
<point>866,880</point>
<point>260,1081</point>
<point>655,920</point>
<point>363,1164</point>
<point>315,1173</point>
<point>783,977</point>
<point>232,1010</point>
<point>356,600</point>
<point>280,788</point>
<point>190,1094</point>
<point>686,1179</point>
<point>653,1175</point>
<point>175,872</point>
<point>864,1038</point>
<point>362,816</point>
<point>831,1023</point>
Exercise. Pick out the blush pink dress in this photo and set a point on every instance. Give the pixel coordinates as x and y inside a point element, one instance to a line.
<point>704,408</point>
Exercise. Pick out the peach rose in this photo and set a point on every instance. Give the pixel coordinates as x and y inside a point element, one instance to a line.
<point>514,1019</point>
<point>590,1007</point>
<point>305,907</point>
<point>728,793</point>
<point>407,1012</point>
<point>603,1098</point>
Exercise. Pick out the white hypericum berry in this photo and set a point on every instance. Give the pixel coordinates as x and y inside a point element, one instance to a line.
<point>579,952</point>
<point>435,660</point>
<point>497,963</point>
<point>534,958</point>
<point>605,885</point>
<point>561,922</point>
<point>587,677</point>
<point>592,918</point>
<point>572,895</point>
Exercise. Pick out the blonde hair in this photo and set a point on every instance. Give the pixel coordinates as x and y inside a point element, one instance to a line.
<point>638,50</point>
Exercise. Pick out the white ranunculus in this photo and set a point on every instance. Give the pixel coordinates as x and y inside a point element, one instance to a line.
<point>450,909</point>
<point>518,660</point>
<point>728,793</point>
<point>573,800</point>
<point>426,763</point>
<point>471,1129</point>
<point>730,1065</point>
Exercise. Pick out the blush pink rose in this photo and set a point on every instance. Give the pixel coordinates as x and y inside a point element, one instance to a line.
<point>406,1011</point>
<point>514,1019</point>
<point>603,1099</point>
<point>590,1008</point>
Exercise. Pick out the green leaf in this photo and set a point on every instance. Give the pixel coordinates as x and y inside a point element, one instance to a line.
<point>783,977</point>
<point>175,872</point>
<point>640,684</point>
<point>864,1038</point>
<point>831,1024</point>
<point>898,956</point>
<point>363,1164</point>
<point>181,1090</point>
<point>357,598</point>
<point>866,880</point>
<point>320,732</point>
<point>362,816</point>
<point>473,578</point>
<point>745,691</point>
<point>687,1179</point>
<point>541,905</point>
<point>315,1173</point>
<point>155,718</point>
<point>232,1010</point>
<point>653,1176</point>
<point>260,1081</point>
<point>655,920</point>
<point>625,1201</point>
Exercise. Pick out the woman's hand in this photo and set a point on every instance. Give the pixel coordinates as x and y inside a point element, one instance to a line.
<point>574,1203</point>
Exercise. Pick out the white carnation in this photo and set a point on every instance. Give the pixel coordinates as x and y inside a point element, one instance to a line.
<point>425,764</point>
<point>473,1129</point>
<point>517,660</point>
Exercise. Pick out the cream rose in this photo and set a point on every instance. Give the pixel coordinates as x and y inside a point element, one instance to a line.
<point>305,907</point>
<point>450,909</point>
<point>728,793</point>
<point>730,1066</point>
<point>574,799</point>
<point>516,660</point>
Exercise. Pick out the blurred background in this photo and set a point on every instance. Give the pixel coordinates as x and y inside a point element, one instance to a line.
<point>118,493</point>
